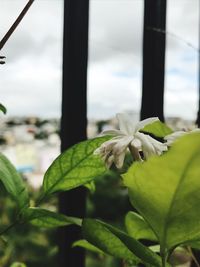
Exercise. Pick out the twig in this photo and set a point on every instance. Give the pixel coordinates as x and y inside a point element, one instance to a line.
<point>15,24</point>
<point>193,256</point>
<point>8,228</point>
<point>174,36</point>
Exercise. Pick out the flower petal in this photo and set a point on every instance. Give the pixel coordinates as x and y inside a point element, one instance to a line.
<point>98,151</point>
<point>122,145</point>
<point>135,148</point>
<point>158,146</point>
<point>172,137</point>
<point>150,146</point>
<point>114,150</point>
<point>136,143</point>
<point>112,132</point>
<point>125,123</point>
<point>119,150</point>
<point>119,159</point>
<point>147,147</point>
<point>140,125</point>
<point>109,161</point>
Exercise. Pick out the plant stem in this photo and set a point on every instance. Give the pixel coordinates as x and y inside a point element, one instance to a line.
<point>193,256</point>
<point>41,198</point>
<point>163,261</point>
<point>8,228</point>
<point>163,255</point>
<point>15,24</point>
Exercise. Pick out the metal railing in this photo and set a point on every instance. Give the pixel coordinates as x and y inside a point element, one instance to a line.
<point>73,123</point>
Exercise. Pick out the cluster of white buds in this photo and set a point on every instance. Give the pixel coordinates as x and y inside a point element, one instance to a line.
<point>129,137</point>
<point>171,138</point>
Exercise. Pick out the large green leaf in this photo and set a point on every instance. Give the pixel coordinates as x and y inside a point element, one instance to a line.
<point>48,219</point>
<point>158,129</point>
<point>13,182</point>
<point>117,243</point>
<point>96,233</point>
<point>76,166</point>
<point>165,190</point>
<point>138,228</point>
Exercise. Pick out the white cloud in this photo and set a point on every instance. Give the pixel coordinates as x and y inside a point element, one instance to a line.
<point>114,77</point>
<point>31,78</point>
<point>181,83</point>
<point>110,93</point>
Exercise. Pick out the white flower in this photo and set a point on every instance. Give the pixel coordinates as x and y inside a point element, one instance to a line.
<point>129,137</point>
<point>172,137</point>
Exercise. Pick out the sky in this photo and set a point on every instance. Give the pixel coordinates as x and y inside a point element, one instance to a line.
<point>31,77</point>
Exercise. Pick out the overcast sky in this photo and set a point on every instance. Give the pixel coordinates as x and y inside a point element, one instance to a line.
<point>31,77</point>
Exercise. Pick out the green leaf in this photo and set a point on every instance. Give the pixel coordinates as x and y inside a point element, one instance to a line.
<point>48,219</point>
<point>90,186</point>
<point>96,233</point>
<point>116,243</point>
<point>3,108</point>
<point>85,244</point>
<point>158,129</point>
<point>76,166</point>
<point>155,248</point>
<point>13,182</point>
<point>18,264</point>
<point>165,190</point>
<point>138,228</point>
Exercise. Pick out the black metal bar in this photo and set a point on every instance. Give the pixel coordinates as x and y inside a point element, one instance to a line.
<point>74,118</point>
<point>153,59</point>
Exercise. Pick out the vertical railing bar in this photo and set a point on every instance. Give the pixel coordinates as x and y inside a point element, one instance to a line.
<point>153,59</point>
<point>74,119</point>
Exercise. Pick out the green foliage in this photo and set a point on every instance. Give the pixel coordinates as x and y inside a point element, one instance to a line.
<point>48,219</point>
<point>138,228</point>
<point>117,243</point>
<point>158,129</point>
<point>13,182</point>
<point>85,244</point>
<point>25,242</point>
<point>165,190</point>
<point>99,235</point>
<point>18,264</point>
<point>77,166</point>
<point>111,194</point>
<point>3,108</point>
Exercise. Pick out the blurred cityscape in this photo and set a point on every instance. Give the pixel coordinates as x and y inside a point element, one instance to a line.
<point>33,143</point>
